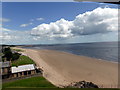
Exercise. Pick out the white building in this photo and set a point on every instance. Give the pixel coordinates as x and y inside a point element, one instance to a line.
<point>23,70</point>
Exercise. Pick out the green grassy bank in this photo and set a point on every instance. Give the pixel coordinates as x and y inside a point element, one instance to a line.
<point>34,82</point>
<point>23,60</point>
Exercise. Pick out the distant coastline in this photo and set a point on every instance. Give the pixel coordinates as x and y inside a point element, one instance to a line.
<point>56,43</point>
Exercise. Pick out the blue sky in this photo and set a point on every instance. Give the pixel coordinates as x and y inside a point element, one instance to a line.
<point>20,18</point>
<point>22,12</point>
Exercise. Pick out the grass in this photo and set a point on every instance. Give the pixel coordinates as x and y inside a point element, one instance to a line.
<point>1,54</point>
<point>23,60</point>
<point>35,82</point>
<point>18,50</point>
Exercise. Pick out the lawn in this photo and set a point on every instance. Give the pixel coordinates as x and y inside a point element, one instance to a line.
<point>23,60</point>
<point>35,82</point>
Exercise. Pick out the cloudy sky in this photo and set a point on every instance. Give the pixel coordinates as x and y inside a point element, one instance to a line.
<point>65,22</point>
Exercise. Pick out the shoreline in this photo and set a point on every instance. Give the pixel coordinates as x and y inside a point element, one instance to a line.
<point>79,68</point>
<point>73,54</point>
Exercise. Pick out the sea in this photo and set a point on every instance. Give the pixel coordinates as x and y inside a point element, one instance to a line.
<point>100,50</point>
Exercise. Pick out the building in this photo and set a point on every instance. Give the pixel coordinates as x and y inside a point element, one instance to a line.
<point>23,70</point>
<point>5,69</point>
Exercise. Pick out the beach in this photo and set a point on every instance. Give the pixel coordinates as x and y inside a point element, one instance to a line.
<point>61,68</point>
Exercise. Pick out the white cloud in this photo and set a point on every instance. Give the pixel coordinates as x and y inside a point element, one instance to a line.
<point>25,25</point>
<point>4,29</point>
<point>100,20</point>
<point>31,19</point>
<point>4,34</point>
<point>100,24</point>
<point>8,36</point>
<point>30,23</point>
<point>4,20</point>
<point>58,29</point>
<point>40,19</point>
<point>37,19</point>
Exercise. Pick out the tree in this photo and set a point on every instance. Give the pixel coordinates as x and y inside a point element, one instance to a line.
<point>7,53</point>
<point>15,56</point>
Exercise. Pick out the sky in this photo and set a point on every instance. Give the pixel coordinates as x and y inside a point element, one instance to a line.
<point>58,22</point>
<point>37,0</point>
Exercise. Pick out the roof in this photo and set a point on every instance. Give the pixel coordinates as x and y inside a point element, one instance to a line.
<point>23,68</point>
<point>5,64</point>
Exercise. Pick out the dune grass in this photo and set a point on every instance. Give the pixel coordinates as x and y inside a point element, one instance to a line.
<point>23,60</point>
<point>34,82</point>
<point>18,50</point>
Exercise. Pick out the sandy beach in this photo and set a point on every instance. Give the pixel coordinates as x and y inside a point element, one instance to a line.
<point>62,68</point>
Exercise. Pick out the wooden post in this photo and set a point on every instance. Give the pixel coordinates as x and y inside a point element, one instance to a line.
<point>6,70</point>
<point>35,71</point>
<point>14,75</point>
<point>27,73</point>
<point>22,74</point>
<point>19,75</point>
<point>31,73</point>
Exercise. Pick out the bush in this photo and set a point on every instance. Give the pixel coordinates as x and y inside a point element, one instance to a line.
<point>7,53</point>
<point>15,56</point>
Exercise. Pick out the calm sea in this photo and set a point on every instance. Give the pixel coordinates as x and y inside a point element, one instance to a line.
<point>104,50</point>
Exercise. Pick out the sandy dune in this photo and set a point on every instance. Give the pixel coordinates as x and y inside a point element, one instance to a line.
<point>62,68</point>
